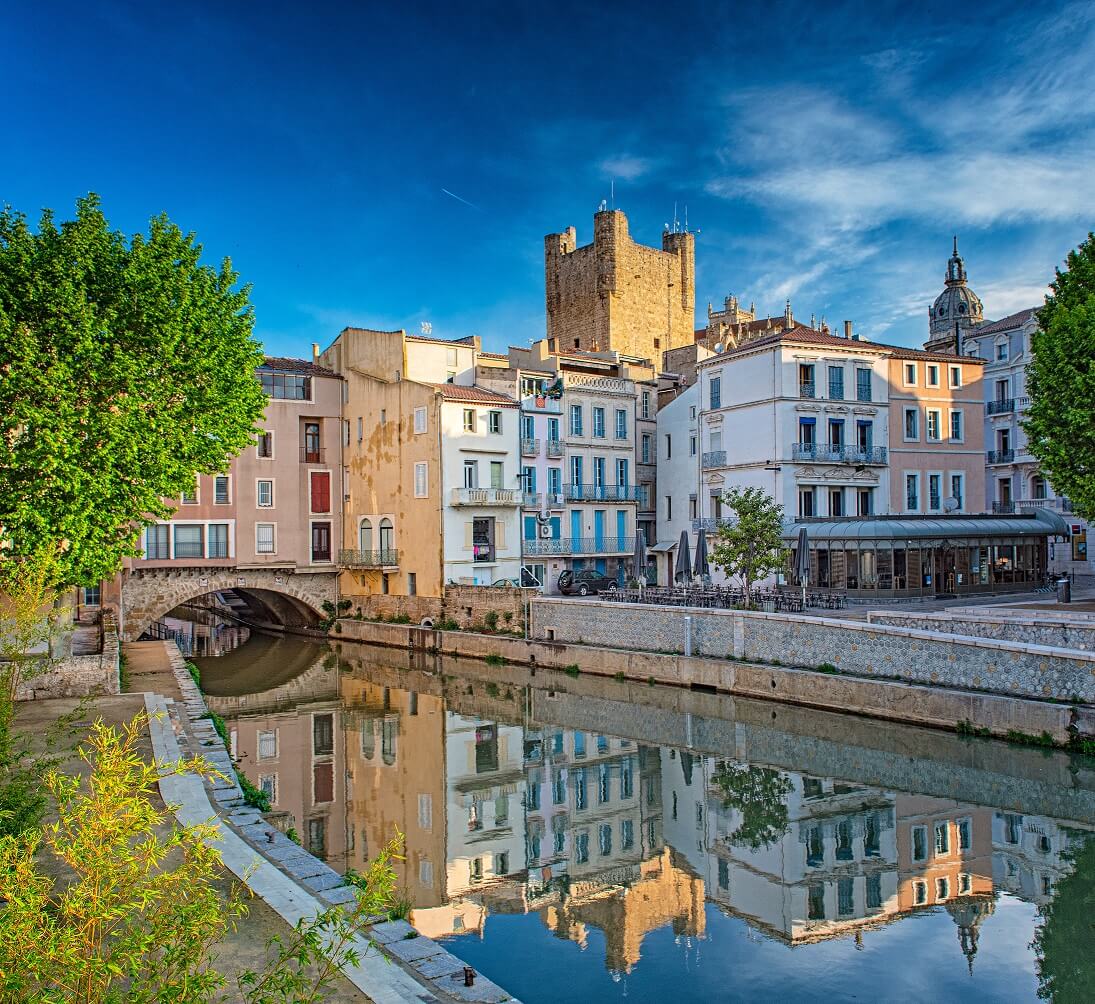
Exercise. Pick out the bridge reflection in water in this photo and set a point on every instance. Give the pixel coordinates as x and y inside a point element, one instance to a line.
<point>604,839</point>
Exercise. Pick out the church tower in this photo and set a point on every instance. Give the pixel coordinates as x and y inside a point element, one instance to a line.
<point>956,310</point>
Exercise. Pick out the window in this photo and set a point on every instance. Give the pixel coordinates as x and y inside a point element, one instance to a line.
<point>1038,487</point>
<point>604,839</point>
<point>646,445</point>
<point>471,473</point>
<point>361,429</point>
<point>346,433</point>
<point>836,502</point>
<point>845,899</point>
<point>621,423</point>
<point>933,375</point>
<point>965,834</point>
<point>425,873</point>
<point>501,863</point>
<point>815,848</point>
<point>627,781</point>
<point>1001,351</point>
<point>920,892</point>
<point>669,507</point>
<point>807,431</point>
<point>576,471</point>
<point>964,884</point>
<point>450,358</point>
<point>874,891</point>
<point>836,433</point>
<point>912,425</point>
<point>421,480</point>
<point>412,583</point>
<point>476,869</point>
<point>627,834</point>
<point>265,446</point>
<point>622,475</point>
<point>872,835</point>
<point>935,492</point>
<point>912,492</point>
<point>496,474</point>
<point>864,501</point>
<point>862,384</point>
<point>469,420</point>
<point>599,472</point>
<point>693,507</point>
<point>221,492</point>
<point>501,810</point>
<point>218,540</point>
<point>555,480</point>
<point>942,889</point>
<point>321,542</point>
<point>576,420</point>
<point>836,383</point>
<point>191,498</point>
<point>956,376</point>
<point>264,538</point>
<point>156,542</point>
<point>603,793</point>
<point>494,422</point>
<point>920,843</point>
<point>933,425</point>
<point>264,494</point>
<point>668,445</point>
<point>807,501</point>
<point>482,539</point>
<point>645,404</point>
<point>312,452</point>
<point>580,800</point>
<point>958,489</point>
<point>286,386</point>
<point>942,837</point>
<point>419,422</point>
<point>268,785</point>
<point>598,423</point>
<point>692,446</point>
<point>528,480</point>
<point>581,848</point>
<point>806,380</point>
<point>815,902</point>
<point>320,483</point>
<point>267,744</point>
<point>323,735</point>
<point>716,392</point>
<point>189,540</point>
<point>910,374</point>
<point>956,426</point>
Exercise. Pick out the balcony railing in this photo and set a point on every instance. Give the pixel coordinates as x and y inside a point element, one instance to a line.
<point>710,523</point>
<point>605,493</point>
<point>826,454</point>
<point>807,389</point>
<point>531,500</point>
<point>530,447</point>
<point>542,546</point>
<point>714,458</point>
<point>485,496</point>
<point>308,455</point>
<point>384,558</point>
<point>1003,508</point>
<point>1059,504</point>
<point>1001,406</point>
<point>1001,456</point>
<point>555,448</point>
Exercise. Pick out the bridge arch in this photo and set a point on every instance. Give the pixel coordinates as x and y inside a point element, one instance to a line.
<point>292,599</point>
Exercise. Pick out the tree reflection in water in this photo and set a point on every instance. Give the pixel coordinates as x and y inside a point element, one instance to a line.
<point>760,795</point>
<point>1066,936</point>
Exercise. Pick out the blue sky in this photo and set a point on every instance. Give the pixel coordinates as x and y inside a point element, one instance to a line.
<point>825,153</point>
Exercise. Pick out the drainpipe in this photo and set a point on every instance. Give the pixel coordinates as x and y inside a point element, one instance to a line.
<point>688,635</point>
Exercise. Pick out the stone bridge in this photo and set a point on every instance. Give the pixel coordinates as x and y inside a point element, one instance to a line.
<point>279,595</point>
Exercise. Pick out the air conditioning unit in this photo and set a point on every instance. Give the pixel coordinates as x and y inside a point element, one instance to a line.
<point>545,530</point>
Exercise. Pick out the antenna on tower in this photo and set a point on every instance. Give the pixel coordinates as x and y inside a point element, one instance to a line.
<point>613,193</point>
<point>686,217</point>
<point>676,222</point>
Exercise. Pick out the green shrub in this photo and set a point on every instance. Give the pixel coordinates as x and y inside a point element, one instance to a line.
<point>507,616</point>
<point>195,673</point>
<point>827,667</point>
<point>292,834</point>
<point>490,619</point>
<point>400,619</point>
<point>494,659</point>
<point>492,687</point>
<point>620,677</point>
<point>447,624</point>
<point>572,670</point>
<point>255,797</point>
<point>966,728</point>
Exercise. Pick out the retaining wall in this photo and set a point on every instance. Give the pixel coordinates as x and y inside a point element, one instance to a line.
<point>872,650</point>
<point>1028,627</point>
<point>466,605</point>
<point>79,675</point>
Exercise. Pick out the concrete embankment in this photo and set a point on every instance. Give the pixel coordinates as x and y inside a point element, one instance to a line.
<point>935,706</point>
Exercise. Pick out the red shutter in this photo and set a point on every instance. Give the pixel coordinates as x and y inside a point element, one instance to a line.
<point>321,491</point>
<point>323,783</point>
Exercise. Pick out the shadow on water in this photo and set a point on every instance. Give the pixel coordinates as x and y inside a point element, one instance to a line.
<point>586,838</point>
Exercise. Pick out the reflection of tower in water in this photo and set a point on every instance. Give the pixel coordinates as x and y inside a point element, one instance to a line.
<point>968,915</point>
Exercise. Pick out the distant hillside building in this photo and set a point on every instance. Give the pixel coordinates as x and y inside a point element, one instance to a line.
<point>618,296</point>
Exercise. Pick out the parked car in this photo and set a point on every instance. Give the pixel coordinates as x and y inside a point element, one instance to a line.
<point>584,581</point>
<point>506,583</point>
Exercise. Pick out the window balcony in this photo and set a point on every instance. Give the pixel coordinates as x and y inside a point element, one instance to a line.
<point>531,500</point>
<point>714,458</point>
<point>1003,508</point>
<point>554,448</point>
<point>485,496</point>
<point>1001,406</point>
<point>313,455</point>
<point>827,454</point>
<point>1001,456</point>
<point>807,389</point>
<point>605,493</point>
<point>530,447</point>
<point>545,547</point>
<point>384,558</point>
<point>1059,504</point>
<point>710,524</point>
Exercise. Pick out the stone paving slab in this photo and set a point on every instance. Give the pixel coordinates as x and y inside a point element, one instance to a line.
<point>339,897</point>
<point>392,930</point>
<point>482,990</point>
<point>439,967</point>
<point>321,883</point>
<point>413,949</point>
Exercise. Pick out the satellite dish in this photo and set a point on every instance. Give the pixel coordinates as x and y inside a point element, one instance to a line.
<point>719,347</point>
<point>950,504</point>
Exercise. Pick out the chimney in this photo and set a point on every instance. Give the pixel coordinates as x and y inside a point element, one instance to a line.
<point>315,352</point>
<point>847,329</point>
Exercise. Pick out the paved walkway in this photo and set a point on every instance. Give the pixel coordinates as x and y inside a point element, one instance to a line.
<point>148,669</point>
<point>1083,602</point>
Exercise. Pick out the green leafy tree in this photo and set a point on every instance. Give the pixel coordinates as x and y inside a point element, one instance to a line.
<point>1060,422</point>
<point>126,368</point>
<point>760,795</point>
<point>750,547</point>
<point>1066,964</point>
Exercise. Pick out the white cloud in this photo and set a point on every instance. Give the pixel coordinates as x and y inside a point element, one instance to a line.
<point>625,167</point>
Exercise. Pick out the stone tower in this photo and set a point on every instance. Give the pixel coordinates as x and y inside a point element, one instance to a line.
<point>956,310</point>
<point>616,295</point>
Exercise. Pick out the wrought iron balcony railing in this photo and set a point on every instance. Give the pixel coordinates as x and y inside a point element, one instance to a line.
<point>384,558</point>
<point>807,389</point>
<point>714,458</point>
<point>1001,456</point>
<point>542,546</point>
<point>1001,406</point>
<point>529,447</point>
<point>827,454</point>
<point>605,493</point>
<point>710,523</point>
<point>554,448</point>
<point>313,455</point>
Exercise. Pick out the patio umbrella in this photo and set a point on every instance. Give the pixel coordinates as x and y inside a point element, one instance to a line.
<point>701,569</point>
<point>640,558</point>
<point>683,569</point>
<point>802,562</point>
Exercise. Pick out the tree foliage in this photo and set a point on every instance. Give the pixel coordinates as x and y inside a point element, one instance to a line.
<point>760,795</point>
<point>126,368</point>
<point>750,547</point>
<point>1066,964</point>
<point>1060,422</point>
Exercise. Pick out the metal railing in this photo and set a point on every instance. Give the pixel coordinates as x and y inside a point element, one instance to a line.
<point>838,454</point>
<point>531,500</point>
<point>1001,406</point>
<point>714,458</point>
<point>313,456</point>
<point>710,523</point>
<point>529,447</point>
<point>555,448</point>
<point>806,389</point>
<point>1001,456</point>
<point>485,496</point>
<point>387,557</point>
<point>605,493</point>
<point>546,546</point>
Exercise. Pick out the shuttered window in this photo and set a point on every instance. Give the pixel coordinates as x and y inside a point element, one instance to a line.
<point>321,491</point>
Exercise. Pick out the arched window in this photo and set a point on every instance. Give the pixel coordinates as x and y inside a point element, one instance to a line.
<point>1038,487</point>
<point>387,535</point>
<point>368,739</point>
<point>365,535</point>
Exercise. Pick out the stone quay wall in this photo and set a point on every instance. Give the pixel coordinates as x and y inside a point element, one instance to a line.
<point>466,605</point>
<point>870,650</point>
<point>1029,627</point>
<point>79,675</point>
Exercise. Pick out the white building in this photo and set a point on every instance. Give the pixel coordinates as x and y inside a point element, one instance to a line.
<point>802,415</point>
<point>678,477</point>
<point>481,488</point>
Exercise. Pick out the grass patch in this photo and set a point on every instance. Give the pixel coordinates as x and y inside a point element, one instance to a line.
<point>494,659</point>
<point>967,728</point>
<point>492,689</point>
<point>1078,745</point>
<point>619,677</point>
<point>123,673</point>
<point>572,670</point>
<point>447,624</point>
<point>292,834</point>
<point>195,673</point>
<point>1045,740</point>
<point>827,667</point>
<point>650,681</point>
<point>255,797</point>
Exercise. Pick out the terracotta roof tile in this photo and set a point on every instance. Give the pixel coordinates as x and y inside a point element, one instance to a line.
<point>466,341</point>
<point>284,364</point>
<point>473,395</point>
<point>806,335</point>
<point>1006,323</point>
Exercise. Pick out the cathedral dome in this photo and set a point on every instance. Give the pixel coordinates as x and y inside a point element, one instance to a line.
<point>958,308</point>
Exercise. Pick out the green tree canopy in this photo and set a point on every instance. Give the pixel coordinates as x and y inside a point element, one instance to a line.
<point>1060,423</point>
<point>126,368</point>
<point>751,546</point>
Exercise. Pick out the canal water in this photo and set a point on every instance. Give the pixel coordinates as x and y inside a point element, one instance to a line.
<point>583,839</point>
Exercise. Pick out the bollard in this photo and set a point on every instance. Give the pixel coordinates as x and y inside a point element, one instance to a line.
<point>469,976</point>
